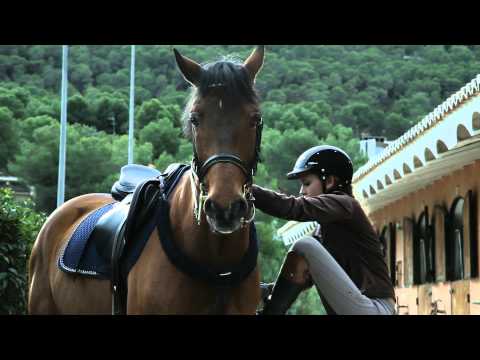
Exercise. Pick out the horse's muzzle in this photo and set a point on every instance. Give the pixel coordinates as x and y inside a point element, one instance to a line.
<point>226,220</point>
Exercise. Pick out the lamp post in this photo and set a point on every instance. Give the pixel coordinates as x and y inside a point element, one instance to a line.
<point>131,139</point>
<point>63,129</point>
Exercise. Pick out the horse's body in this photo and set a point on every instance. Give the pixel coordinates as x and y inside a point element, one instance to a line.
<point>155,285</point>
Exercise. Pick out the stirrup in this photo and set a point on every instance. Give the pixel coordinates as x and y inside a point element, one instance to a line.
<point>266,290</point>
<point>284,294</point>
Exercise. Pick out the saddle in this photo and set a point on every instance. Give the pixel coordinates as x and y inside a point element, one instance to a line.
<point>141,189</point>
<point>130,177</point>
<point>110,240</point>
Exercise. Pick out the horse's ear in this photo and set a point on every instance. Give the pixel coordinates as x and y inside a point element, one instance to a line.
<point>254,62</point>
<point>190,70</point>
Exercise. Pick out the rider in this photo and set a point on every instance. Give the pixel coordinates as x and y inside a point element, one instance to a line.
<point>343,259</point>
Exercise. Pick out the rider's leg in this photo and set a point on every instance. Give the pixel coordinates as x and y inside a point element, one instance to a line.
<point>292,279</point>
<point>335,285</point>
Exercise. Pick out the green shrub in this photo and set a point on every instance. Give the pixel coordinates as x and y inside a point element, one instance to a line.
<point>19,226</point>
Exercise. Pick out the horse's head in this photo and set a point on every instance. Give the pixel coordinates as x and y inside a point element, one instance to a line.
<point>224,122</point>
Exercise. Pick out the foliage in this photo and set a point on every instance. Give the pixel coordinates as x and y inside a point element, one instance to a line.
<point>93,160</point>
<point>8,139</point>
<point>19,226</point>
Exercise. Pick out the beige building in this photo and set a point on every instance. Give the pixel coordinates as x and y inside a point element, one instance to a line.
<point>422,195</point>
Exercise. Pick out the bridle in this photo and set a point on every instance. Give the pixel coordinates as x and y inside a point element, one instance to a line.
<point>199,170</point>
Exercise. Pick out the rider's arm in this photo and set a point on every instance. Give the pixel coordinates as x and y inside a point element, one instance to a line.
<point>322,208</point>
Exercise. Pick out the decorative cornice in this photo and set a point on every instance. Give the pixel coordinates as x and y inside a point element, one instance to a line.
<point>454,101</point>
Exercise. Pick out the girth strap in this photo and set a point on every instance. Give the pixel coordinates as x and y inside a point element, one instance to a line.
<point>138,223</point>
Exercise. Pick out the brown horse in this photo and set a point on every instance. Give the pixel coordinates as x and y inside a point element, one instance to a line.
<point>210,212</point>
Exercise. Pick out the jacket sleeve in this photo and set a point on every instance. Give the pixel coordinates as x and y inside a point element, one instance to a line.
<point>323,208</point>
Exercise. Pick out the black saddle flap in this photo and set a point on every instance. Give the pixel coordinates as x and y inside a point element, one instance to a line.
<point>108,228</point>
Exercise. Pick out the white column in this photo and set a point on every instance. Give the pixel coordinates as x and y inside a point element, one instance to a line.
<point>131,139</point>
<point>63,129</point>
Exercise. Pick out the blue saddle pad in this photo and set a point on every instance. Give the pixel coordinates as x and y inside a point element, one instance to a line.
<point>84,257</point>
<point>81,257</point>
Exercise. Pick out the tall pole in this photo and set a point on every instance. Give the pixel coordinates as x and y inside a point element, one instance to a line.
<point>63,129</point>
<point>131,139</point>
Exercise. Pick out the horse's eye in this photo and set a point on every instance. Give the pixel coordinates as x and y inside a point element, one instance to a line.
<point>195,118</point>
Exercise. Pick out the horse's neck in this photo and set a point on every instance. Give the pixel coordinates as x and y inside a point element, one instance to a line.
<point>197,241</point>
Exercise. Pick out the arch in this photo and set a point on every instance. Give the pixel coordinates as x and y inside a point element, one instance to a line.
<point>429,155</point>
<point>462,133</point>
<point>379,185</point>
<point>417,162</point>
<point>439,234</point>
<point>455,242</point>
<point>406,169</point>
<point>387,180</point>
<point>441,147</point>
<point>372,190</point>
<point>476,121</point>
<point>396,175</point>
<point>408,234</point>
<point>365,195</point>
<point>383,240</point>
<point>392,253</point>
<point>423,251</point>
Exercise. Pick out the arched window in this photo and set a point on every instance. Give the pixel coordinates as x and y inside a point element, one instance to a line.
<point>383,241</point>
<point>408,234</point>
<point>455,242</point>
<point>387,239</point>
<point>462,246</point>
<point>439,231</point>
<point>392,253</point>
<point>424,251</point>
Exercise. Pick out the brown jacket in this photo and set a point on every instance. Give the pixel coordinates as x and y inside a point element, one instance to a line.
<point>346,233</point>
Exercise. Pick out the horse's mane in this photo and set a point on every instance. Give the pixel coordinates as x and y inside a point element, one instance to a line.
<point>234,79</point>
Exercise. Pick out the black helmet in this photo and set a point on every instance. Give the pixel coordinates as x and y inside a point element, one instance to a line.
<point>325,160</point>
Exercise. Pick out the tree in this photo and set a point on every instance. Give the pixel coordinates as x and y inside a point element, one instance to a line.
<point>28,126</point>
<point>15,100</point>
<point>154,109</point>
<point>111,113</point>
<point>280,151</point>
<point>80,76</point>
<point>79,111</point>
<point>93,161</point>
<point>8,137</point>
<point>162,135</point>
<point>19,226</point>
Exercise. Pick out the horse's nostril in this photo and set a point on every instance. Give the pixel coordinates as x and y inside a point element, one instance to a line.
<point>239,208</point>
<point>209,207</point>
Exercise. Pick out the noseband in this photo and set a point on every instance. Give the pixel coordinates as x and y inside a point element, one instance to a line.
<point>199,171</point>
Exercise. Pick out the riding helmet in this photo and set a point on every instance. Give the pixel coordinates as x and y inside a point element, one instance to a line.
<point>325,160</point>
